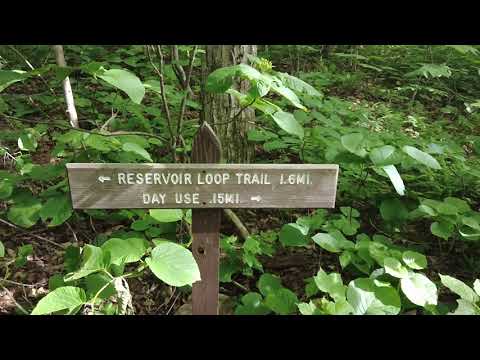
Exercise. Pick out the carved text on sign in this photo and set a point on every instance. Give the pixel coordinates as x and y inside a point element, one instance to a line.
<point>202,185</point>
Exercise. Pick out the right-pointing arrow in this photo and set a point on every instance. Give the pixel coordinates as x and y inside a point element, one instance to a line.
<point>256,198</point>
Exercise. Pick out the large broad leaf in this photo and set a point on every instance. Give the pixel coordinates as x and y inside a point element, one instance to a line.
<point>395,268</point>
<point>395,178</point>
<point>26,213</point>
<point>422,157</point>
<point>442,229</point>
<point>298,85</point>
<point>288,94</point>
<point>173,264</point>
<point>58,209</point>
<point>393,210</point>
<point>476,286</point>
<point>354,144</point>
<point>367,297</point>
<point>382,156</point>
<point>283,301</point>
<point>98,281</point>
<point>419,289</point>
<point>62,298</point>
<point>222,79</point>
<point>460,288</point>
<point>27,141</point>
<point>269,283</point>
<point>92,261</point>
<point>414,260</point>
<point>288,123</point>
<point>331,243</point>
<point>125,81</point>
<point>332,284</point>
<point>466,308</point>
<point>138,150</point>
<point>308,308</point>
<point>294,235</point>
<point>251,304</point>
<point>6,188</point>
<point>166,215</point>
<point>9,77</point>
<point>125,250</point>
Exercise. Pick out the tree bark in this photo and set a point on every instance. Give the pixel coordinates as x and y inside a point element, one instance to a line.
<point>220,110</point>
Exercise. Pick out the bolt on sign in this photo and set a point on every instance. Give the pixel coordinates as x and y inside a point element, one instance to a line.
<point>206,187</point>
<point>117,186</point>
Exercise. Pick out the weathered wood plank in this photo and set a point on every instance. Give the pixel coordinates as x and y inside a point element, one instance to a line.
<point>206,232</point>
<point>117,186</point>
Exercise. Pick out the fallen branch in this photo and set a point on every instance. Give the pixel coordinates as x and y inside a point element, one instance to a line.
<point>244,233</point>
<point>35,236</point>
<point>15,301</point>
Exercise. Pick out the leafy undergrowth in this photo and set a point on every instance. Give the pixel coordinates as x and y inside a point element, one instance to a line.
<point>401,121</point>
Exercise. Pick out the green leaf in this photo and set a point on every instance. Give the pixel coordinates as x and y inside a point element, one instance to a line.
<point>173,264</point>
<point>349,212</point>
<point>63,298</point>
<point>331,243</point>
<point>251,304</point>
<point>460,288</point>
<point>393,210</point>
<point>288,123</point>
<point>166,215</point>
<point>25,214</point>
<point>395,268</point>
<point>419,289</point>
<point>6,188</point>
<point>476,286</point>
<point>269,283</point>
<point>466,308</point>
<point>124,251</point>
<point>283,301</point>
<point>101,143</point>
<point>297,84</point>
<point>382,156</point>
<point>95,282</point>
<point>332,284</point>
<point>345,258</point>
<point>308,309</point>
<point>125,81</point>
<point>294,235</point>
<point>138,150</point>
<point>27,141</point>
<point>366,297</point>
<point>9,77</point>
<point>92,261</point>
<point>395,178</point>
<point>55,282</point>
<point>58,208</point>
<point>414,260</point>
<point>141,225</point>
<point>421,157</point>
<point>2,250</point>
<point>461,205</point>
<point>442,229</point>
<point>354,144</point>
<point>287,94</point>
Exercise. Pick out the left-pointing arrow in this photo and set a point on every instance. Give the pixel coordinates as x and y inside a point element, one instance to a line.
<point>104,178</point>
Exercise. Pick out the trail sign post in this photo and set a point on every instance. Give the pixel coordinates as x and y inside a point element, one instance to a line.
<point>206,187</point>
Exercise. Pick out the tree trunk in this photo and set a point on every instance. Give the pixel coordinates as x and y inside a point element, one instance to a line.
<point>220,110</point>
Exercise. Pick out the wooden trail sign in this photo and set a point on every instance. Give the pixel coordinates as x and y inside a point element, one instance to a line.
<point>206,187</point>
<point>117,186</point>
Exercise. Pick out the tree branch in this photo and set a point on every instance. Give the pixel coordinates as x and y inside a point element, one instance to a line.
<point>67,87</point>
